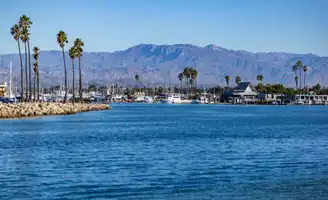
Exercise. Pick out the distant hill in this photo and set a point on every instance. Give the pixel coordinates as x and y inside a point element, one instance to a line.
<point>158,64</point>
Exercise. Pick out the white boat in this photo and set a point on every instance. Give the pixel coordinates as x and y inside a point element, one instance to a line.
<point>148,99</point>
<point>175,99</point>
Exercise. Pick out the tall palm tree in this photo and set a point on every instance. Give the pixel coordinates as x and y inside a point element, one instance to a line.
<point>227,79</point>
<point>16,33</point>
<point>237,80</point>
<point>187,74</point>
<point>72,55</point>
<point>137,78</point>
<point>194,75</point>
<point>180,77</point>
<point>35,69</point>
<point>25,24</point>
<point>78,44</point>
<point>296,81</point>
<point>299,65</point>
<point>295,68</point>
<point>305,69</point>
<point>36,52</point>
<point>62,40</point>
<point>24,38</point>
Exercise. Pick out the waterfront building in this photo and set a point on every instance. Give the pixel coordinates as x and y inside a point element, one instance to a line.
<point>244,93</point>
<point>311,99</point>
<point>269,98</point>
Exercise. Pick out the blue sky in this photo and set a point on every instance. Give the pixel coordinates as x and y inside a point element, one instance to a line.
<point>298,26</point>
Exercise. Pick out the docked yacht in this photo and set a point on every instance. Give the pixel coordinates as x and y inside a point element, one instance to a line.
<point>175,99</point>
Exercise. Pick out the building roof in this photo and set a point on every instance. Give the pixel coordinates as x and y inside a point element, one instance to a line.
<point>243,86</point>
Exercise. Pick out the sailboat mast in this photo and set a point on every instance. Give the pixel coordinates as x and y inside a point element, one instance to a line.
<point>10,77</point>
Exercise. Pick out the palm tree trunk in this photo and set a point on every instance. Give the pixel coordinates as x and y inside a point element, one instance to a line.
<point>34,82</point>
<point>300,79</point>
<point>26,77</point>
<point>38,84</point>
<point>296,84</point>
<point>73,100</point>
<point>22,71</point>
<point>30,70</point>
<point>181,87</point>
<point>304,79</point>
<point>80,81</point>
<point>65,72</point>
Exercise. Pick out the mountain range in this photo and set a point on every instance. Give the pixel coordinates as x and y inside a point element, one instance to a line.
<point>161,64</point>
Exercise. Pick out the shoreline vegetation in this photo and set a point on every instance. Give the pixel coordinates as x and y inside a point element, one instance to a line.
<point>20,110</point>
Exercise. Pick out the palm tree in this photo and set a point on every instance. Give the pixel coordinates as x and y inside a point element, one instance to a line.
<point>194,74</point>
<point>35,69</point>
<point>24,38</point>
<point>16,33</point>
<point>295,68</point>
<point>62,40</point>
<point>227,79</point>
<point>237,80</point>
<point>180,77</point>
<point>25,25</point>
<point>299,65</point>
<point>72,55</point>
<point>36,52</point>
<point>137,77</point>
<point>305,69</point>
<point>259,79</point>
<point>78,44</point>
<point>187,74</point>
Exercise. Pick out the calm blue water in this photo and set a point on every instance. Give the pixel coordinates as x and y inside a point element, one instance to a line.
<point>168,152</point>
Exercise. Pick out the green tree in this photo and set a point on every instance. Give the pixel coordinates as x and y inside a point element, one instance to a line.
<point>227,79</point>
<point>24,38</point>
<point>78,43</point>
<point>295,68</point>
<point>180,77</point>
<point>25,25</point>
<point>187,74</point>
<point>36,52</point>
<point>237,80</point>
<point>62,40</point>
<point>259,78</point>
<point>72,55</point>
<point>305,69</point>
<point>137,78</point>
<point>299,65</point>
<point>317,88</point>
<point>16,33</point>
<point>194,75</point>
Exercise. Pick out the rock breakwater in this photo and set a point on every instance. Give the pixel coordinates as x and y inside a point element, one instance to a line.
<point>40,109</point>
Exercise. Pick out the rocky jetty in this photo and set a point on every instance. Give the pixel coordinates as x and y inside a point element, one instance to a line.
<point>40,109</point>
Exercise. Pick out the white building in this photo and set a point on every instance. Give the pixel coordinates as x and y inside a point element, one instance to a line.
<point>244,93</point>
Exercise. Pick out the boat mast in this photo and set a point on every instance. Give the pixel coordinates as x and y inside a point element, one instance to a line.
<point>10,77</point>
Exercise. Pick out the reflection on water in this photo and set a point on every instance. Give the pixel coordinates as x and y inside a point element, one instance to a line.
<point>168,152</point>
